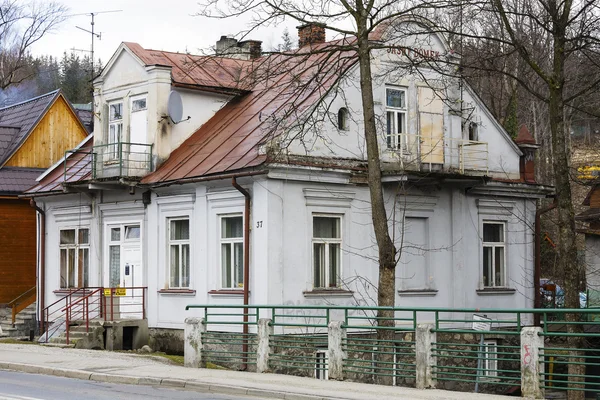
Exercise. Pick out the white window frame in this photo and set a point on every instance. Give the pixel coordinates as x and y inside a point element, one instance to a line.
<point>494,246</point>
<point>321,364</point>
<point>77,247</point>
<point>490,361</point>
<point>137,99</point>
<point>115,130</point>
<point>180,243</point>
<point>327,242</point>
<point>398,139</point>
<point>231,242</point>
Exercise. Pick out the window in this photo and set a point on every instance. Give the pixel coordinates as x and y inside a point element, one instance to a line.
<point>321,365</point>
<point>395,102</point>
<point>494,274</point>
<point>115,128</point>
<point>232,252</point>
<point>179,253</point>
<point>343,119</point>
<point>473,133</point>
<point>138,104</point>
<point>74,257</point>
<point>327,249</point>
<point>490,358</point>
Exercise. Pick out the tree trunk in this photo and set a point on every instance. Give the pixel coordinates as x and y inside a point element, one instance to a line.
<point>387,252</point>
<point>567,250</point>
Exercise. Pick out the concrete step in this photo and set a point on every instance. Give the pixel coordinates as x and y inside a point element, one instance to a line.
<point>63,341</point>
<point>61,345</point>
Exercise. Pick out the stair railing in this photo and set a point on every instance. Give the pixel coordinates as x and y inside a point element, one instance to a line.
<point>54,312</point>
<point>81,307</point>
<point>21,302</point>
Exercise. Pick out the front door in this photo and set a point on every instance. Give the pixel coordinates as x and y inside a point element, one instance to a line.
<point>125,274</point>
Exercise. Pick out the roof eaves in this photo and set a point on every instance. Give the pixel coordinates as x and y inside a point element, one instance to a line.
<point>212,89</point>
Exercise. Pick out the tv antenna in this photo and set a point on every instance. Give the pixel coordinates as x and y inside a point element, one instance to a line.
<point>94,34</point>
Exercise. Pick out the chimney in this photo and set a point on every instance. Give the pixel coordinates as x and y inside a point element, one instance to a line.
<point>254,48</point>
<point>311,33</point>
<point>528,146</point>
<point>225,45</point>
<point>246,50</point>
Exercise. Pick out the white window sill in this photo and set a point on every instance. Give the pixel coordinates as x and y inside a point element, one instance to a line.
<point>334,292</point>
<point>177,292</point>
<point>227,293</point>
<point>417,292</point>
<point>493,291</point>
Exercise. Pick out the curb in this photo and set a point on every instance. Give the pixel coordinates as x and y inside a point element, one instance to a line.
<point>164,382</point>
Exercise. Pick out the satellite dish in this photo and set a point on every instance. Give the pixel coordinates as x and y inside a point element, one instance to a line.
<point>175,107</point>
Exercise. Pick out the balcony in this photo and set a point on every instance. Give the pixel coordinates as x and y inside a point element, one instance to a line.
<point>121,160</point>
<point>423,153</point>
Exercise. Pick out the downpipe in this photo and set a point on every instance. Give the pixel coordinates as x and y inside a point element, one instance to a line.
<point>246,268</point>
<point>42,233</point>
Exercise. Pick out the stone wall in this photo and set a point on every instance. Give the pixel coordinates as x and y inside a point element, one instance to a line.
<point>169,341</point>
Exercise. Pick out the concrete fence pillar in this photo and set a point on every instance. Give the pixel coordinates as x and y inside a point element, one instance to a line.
<point>263,348</point>
<point>192,348</point>
<point>336,335</point>
<point>531,367</point>
<point>424,357</point>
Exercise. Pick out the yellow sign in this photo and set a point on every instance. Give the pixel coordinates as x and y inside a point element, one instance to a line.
<point>107,292</point>
<point>120,292</point>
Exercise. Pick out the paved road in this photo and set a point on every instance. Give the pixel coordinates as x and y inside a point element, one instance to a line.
<point>22,386</point>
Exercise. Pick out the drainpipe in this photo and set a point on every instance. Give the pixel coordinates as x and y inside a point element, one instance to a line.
<point>537,272</point>
<point>246,266</point>
<point>42,264</point>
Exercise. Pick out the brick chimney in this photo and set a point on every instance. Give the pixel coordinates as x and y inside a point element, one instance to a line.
<point>254,47</point>
<point>528,146</point>
<point>311,33</point>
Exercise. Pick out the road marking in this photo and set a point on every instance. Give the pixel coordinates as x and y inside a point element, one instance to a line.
<point>11,397</point>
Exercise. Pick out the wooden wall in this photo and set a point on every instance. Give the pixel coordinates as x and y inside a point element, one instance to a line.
<point>58,131</point>
<point>17,248</point>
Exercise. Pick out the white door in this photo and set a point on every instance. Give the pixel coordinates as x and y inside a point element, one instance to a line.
<point>124,271</point>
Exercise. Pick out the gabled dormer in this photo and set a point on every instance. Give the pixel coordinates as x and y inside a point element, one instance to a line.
<point>134,131</point>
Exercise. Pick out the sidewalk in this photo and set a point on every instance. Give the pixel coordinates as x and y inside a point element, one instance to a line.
<point>137,369</point>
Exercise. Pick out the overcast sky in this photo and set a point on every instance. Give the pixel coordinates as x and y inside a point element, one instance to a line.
<point>162,25</point>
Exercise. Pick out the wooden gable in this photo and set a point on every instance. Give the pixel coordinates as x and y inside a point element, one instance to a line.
<point>58,130</point>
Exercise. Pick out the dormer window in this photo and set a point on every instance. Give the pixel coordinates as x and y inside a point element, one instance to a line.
<point>395,104</point>
<point>115,127</point>
<point>343,119</point>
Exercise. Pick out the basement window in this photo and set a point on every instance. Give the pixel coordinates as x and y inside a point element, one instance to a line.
<point>490,358</point>
<point>321,365</point>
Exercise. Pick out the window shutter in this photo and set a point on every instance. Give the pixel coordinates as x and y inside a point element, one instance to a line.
<point>431,126</point>
<point>104,122</point>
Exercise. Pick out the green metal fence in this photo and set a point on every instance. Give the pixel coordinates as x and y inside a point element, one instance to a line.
<point>465,358</point>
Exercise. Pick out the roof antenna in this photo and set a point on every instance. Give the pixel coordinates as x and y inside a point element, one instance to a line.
<point>94,35</point>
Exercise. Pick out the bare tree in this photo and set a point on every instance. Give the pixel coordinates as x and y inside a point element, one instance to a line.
<point>21,25</point>
<point>550,48</point>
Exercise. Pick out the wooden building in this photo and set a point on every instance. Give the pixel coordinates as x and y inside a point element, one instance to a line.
<point>34,135</point>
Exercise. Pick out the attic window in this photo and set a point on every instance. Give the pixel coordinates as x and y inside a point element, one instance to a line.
<point>343,119</point>
<point>473,131</point>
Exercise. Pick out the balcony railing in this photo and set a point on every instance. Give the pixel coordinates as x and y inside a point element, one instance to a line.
<point>121,159</point>
<point>418,152</point>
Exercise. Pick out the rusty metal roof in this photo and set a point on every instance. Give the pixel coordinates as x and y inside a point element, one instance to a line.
<point>76,166</point>
<point>280,87</point>
<point>207,72</point>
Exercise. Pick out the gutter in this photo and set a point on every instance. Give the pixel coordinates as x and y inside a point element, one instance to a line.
<point>42,322</point>
<point>537,271</point>
<point>204,178</point>
<point>246,267</point>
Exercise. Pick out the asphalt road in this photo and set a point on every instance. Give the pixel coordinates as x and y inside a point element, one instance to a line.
<point>22,386</point>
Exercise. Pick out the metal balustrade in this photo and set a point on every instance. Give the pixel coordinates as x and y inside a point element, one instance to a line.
<point>461,357</point>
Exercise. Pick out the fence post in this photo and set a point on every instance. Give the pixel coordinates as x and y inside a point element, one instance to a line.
<point>424,358</point>
<point>192,348</point>
<point>531,367</point>
<point>263,348</point>
<point>336,335</point>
